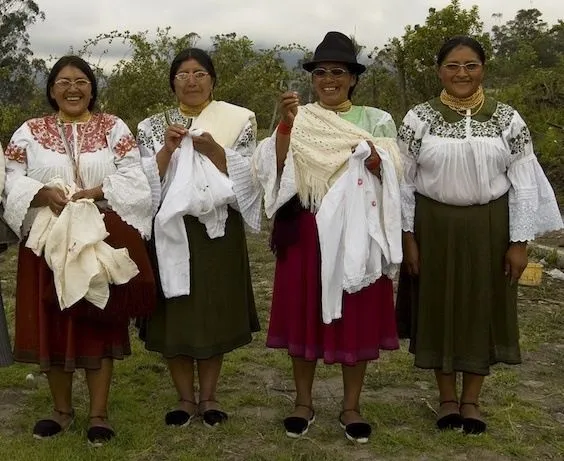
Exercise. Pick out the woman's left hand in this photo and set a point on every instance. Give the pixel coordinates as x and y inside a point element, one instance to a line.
<point>374,161</point>
<point>205,144</point>
<point>93,194</point>
<point>516,260</point>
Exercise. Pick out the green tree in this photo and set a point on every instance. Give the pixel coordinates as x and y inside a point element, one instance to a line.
<point>138,85</point>
<point>18,71</point>
<point>412,58</point>
<point>249,77</point>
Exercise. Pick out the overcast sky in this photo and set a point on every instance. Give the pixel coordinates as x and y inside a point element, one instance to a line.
<point>69,23</point>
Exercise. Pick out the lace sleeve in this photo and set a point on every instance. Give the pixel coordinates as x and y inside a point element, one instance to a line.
<point>409,142</point>
<point>127,190</point>
<point>278,189</point>
<point>19,189</point>
<point>149,162</point>
<point>245,185</point>
<point>532,205</point>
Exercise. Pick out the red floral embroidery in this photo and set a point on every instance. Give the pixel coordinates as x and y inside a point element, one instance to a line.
<point>125,144</point>
<point>46,132</point>
<point>16,153</point>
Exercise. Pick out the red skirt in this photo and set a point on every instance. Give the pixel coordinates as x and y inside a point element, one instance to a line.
<point>82,335</point>
<point>368,320</point>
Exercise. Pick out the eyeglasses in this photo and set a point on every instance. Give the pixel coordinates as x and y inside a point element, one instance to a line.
<point>454,67</point>
<point>198,75</point>
<point>335,72</point>
<point>65,83</point>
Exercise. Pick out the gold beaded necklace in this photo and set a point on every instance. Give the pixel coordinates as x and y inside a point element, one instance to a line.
<point>469,106</point>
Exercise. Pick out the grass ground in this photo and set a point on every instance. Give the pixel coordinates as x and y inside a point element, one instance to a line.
<point>524,405</point>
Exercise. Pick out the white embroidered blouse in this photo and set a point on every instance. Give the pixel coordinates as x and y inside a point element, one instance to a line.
<point>108,157</point>
<point>471,162</point>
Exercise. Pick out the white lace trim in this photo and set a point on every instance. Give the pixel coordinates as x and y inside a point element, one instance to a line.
<point>407,207</point>
<point>151,170</point>
<point>17,213</point>
<point>127,193</point>
<point>245,186</point>
<point>278,189</point>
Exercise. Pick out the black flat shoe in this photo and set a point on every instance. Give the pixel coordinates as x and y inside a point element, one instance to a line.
<point>355,432</point>
<point>212,417</point>
<point>99,435</point>
<point>180,418</point>
<point>450,421</point>
<point>46,428</point>
<point>473,426</point>
<point>297,426</point>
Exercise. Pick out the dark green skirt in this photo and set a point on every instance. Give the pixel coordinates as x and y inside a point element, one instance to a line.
<point>461,312</point>
<point>219,315</point>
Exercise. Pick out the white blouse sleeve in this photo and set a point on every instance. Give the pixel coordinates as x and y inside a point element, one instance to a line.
<point>532,206</point>
<point>127,190</point>
<point>149,162</point>
<point>245,185</point>
<point>19,189</point>
<point>409,142</point>
<point>278,189</point>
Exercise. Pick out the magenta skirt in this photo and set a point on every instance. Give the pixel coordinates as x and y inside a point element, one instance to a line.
<point>368,320</point>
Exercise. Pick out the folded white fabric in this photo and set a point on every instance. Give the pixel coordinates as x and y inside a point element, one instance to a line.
<point>196,188</point>
<point>83,264</point>
<point>359,227</point>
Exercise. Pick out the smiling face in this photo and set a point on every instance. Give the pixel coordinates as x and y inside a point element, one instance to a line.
<point>461,82</point>
<point>72,91</point>
<point>193,84</point>
<point>332,90</point>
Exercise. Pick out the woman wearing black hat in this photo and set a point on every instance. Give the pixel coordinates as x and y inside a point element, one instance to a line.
<point>299,166</point>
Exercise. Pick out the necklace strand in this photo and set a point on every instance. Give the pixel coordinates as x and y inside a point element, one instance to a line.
<point>469,106</point>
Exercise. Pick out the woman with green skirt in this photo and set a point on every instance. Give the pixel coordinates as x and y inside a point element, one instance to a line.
<point>473,195</point>
<point>197,158</point>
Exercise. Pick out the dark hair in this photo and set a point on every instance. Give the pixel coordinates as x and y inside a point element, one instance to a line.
<point>353,72</point>
<point>81,65</point>
<point>461,40</point>
<point>198,55</point>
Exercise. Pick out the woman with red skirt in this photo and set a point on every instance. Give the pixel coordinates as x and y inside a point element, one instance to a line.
<point>297,167</point>
<point>97,153</point>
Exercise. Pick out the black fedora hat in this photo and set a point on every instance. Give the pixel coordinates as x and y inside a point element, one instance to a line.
<point>335,47</point>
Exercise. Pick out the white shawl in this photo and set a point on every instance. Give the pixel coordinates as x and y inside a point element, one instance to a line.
<point>321,144</point>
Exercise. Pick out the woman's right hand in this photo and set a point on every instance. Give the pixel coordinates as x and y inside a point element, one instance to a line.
<point>410,254</point>
<point>173,137</point>
<point>289,103</point>
<point>52,197</point>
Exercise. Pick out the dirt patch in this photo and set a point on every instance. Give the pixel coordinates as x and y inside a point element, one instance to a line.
<point>552,239</point>
<point>11,402</point>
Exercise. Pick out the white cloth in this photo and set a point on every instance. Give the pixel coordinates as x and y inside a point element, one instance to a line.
<point>359,227</point>
<point>238,140</point>
<point>109,157</point>
<point>199,189</point>
<point>73,244</point>
<point>473,162</point>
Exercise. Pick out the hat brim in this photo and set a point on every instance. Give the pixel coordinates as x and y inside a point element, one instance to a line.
<point>355,67</point>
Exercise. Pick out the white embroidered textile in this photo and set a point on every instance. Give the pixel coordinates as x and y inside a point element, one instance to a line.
<point>109,157</point>
<point>73,244</point>
<point>197,189</point>
<point>359,227</point>
<point>473,162</point>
